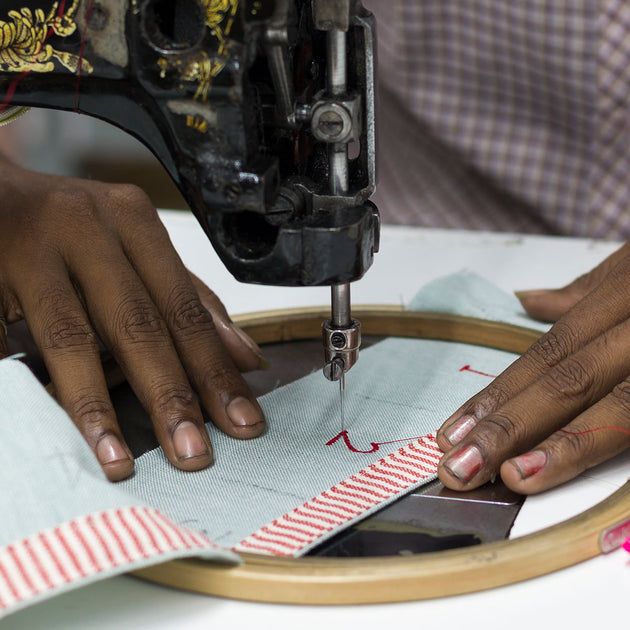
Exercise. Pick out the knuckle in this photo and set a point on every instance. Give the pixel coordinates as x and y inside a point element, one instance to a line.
<point>73,201</point>
<point>136,319</point>
<point>573,448</point>
<point>494,397</point>
<point>171,396</point>
<point>220,374</point>
<point>136,203</point>
<point>621,395</point>
<point>570,378</point>
<point>90,411</point>
<point>500,424</point>
<point>186,312</point>
<point>63,327</point>
<point>554,346</point>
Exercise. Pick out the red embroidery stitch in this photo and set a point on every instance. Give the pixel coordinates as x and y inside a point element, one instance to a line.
<point>375,445</point>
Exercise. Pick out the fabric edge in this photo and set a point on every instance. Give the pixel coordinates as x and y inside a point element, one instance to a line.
<point>373,487</point>
<point>94,547</point>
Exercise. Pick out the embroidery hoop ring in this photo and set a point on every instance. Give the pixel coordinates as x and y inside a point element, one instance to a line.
<point>597,530</point>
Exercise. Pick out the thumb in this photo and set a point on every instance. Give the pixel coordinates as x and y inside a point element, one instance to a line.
<point>549,305</point>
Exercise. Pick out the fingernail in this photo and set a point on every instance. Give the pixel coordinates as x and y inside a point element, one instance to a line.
<point>524,295</point>
<point>188,441</point>
<point>242,412</point>
<point>109,449</point>
<point>530,463</point>
<point>466,463</point>
<point>458,431</point>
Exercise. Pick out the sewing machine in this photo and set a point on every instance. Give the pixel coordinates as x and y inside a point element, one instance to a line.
<point>261,111</point>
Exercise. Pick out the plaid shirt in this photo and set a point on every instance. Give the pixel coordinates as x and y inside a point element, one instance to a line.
<point>505,115</point>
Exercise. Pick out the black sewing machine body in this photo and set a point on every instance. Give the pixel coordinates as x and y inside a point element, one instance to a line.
<point>235,99</point>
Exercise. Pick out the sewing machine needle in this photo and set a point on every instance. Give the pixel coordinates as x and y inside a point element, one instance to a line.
<point>342,393</point>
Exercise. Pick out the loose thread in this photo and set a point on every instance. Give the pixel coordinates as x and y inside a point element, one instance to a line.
<point>610,428</point>
<point>467,368</point>
<point>8,97</point>
<point>76,91</point>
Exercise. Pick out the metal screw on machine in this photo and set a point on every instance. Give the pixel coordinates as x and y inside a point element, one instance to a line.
<point>341,348</point>
<point>341,335</point>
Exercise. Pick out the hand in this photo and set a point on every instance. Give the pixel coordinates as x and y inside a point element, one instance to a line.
<point>561,408</point>
<point>85,261</point>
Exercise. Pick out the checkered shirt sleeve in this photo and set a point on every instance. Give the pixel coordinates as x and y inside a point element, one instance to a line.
<point>509,116</point>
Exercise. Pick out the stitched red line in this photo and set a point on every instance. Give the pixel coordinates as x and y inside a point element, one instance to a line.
<point>35,559</point>
<point>271,550</point>
<point>140,519</point>
<point>69,551</point>
<point>86,546</point>
<point>112,531</point>
<point>132,534</point>
<point>160,527</point>
<point>176,530</point>
<point>101,541</point>
<point>9,583</point>
<point>21,569</point>
<point>332,503</point>
<point>394,484</point>
<point>54,558</point>
<point>330,512</point>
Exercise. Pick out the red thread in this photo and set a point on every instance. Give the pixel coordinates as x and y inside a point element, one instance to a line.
<point>467,368</point>
<point>8,97</point>
<point>375,445</point>
<point>76,90</point>
<point>626,431</point>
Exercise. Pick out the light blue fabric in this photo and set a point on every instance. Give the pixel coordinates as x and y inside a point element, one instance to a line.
<point>49,474</point>
<point>466,293</point>
<point>400,389</point>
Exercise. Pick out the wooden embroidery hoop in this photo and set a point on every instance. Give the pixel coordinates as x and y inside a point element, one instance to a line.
<point>600,529</point>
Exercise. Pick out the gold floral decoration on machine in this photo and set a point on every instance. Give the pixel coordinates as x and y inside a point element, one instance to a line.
<point>23,46</point>
<point>219,17</point>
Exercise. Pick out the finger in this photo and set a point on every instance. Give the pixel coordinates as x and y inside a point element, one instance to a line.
<point>600,310</point>
<point>549,305</point>
<point>132,329</point>
<point>598,434</point>
<point>244,351</point>
<point>547,405</point>
<point>222,389</point>
<point>150,250</point>
<point>67,343</point>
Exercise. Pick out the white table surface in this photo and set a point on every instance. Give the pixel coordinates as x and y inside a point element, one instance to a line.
<point>592,593</point>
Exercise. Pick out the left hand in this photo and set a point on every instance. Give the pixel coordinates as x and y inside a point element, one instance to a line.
<point>564,406</point>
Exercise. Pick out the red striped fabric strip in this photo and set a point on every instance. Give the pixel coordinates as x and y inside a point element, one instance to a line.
<point>87,546</point>
<point>394,474</point>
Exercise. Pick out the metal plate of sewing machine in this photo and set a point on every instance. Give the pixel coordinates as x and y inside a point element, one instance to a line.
<point>431,519</point>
